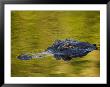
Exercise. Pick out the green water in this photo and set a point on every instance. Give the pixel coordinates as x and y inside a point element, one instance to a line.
<point>34,31</point>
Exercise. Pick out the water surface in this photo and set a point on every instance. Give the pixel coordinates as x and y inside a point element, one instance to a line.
<point>34,31</point>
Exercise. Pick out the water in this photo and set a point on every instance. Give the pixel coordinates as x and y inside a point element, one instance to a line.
<point>34,31</point>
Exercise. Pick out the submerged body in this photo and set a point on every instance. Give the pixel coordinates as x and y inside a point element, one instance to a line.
<point>63,49</point>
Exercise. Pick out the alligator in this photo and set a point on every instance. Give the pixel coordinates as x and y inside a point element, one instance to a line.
<point>62,49</point>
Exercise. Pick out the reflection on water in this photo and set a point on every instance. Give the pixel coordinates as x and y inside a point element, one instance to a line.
<point>34,31</point>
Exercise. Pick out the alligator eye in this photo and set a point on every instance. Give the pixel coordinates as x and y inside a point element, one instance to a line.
<point>68,46</point>
<point>71,46</point>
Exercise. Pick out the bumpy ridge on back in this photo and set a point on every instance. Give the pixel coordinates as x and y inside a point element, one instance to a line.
<point>68,49</point>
